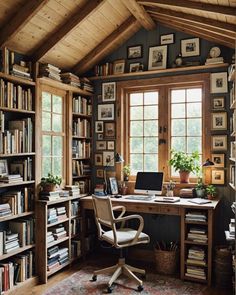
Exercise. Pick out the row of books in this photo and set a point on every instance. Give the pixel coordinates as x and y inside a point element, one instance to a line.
<point>56,214</point>
<point>81,105</point>
<point>81,128</point>
<point>74,191</point>
<point>84,185</point>
<point>19,269</point>
<point>56,233</point>
<point>50,71</point>
<point>104,69</point>
<point>86,84</point>
<point>196,216</point>
<point>81,149</point>
<point>15,96</point>
<point>71,79</point>
<point>56,257</point>
<point>79,168</point>
<point>197,234</point>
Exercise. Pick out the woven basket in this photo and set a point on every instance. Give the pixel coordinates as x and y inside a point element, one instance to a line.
<point>166,261</point>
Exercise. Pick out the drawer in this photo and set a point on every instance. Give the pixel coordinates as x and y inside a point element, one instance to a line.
<point>169,210</point>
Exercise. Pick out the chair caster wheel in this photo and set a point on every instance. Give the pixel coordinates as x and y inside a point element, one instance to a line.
<point>140,288</point>
<point>109,290</point>
<point>94,278</point>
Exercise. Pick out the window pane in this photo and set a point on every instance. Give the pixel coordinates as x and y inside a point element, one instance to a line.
<point>136,145</point>
<point>57,145</point>
<point>194,127</point>
<point>193,144</point>
<point>194,110</point>
<point>46,101</point>
<point>57,104</point>
<point>151,112</point>
<point>194,94</point>
<point>136,99</point>
<point>46,121</point>
<point>150,98</point>
<point>150,145</point>
<point>178,110</point>
<point>46,166</point>
<point>150,163</point>
<point>178,95</point>
<point>150,128</point>
<point>46,145</point>
<point>136,113</point>
<point>178,127</point>
<point>136,163</point>
<point>178,143</point>
<point>57,166</point>
<point>136,128</point>
<point>57,122</point>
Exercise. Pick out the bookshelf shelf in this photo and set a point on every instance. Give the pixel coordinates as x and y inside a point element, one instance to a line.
<point>58,222</point>
<point>16,155</point>
<point>16,184</point>
<point>57,242</point>
<point>18,251</point>
<point>16,80</point>
<point>81,137</point>
<point>51,272</point>
<point>17,110</point>
<point>10,217</point>
<point>196,222</point>
<point>195,243</point>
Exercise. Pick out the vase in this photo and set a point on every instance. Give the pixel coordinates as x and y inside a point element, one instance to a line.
<point>170,193</point>
<point>49,187</point>
<point>184,176</point>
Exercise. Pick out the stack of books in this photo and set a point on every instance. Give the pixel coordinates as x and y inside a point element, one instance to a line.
<point>99,190</point>
<point>197,234</point>
<point>73,190</point>
<point>21,70</point>
<point>5,210</point>
<point>50,237</point>
<point>49,196</point>
<point>25,230</point>
<point>61,213</point>
<point>56,257</point>
<point>196,263</point>
<point>59,232</point>
<point>10,242</point>
<point>86,84</point>
<point>196,216</point>
<point>71,79</point>
<point>52,215</point>
<point>50,71</point>
<point>186,193</point>
<point>11,178</point>
<point>214,60</point>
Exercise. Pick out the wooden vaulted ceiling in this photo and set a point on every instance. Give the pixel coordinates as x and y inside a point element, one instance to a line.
<point>76,34</point>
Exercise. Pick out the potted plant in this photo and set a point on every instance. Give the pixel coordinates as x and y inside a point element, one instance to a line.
<point>211,191</point>
<point>50,183</point>
<point>185,163</point>
<point>126,171</point>
<point>200,189</point>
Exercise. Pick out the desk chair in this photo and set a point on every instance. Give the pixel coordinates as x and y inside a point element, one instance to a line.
<point>118,237</point>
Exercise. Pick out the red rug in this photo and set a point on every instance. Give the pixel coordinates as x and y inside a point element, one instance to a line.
<point>79,284</point>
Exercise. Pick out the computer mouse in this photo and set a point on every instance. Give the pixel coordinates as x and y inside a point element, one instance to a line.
<point>118,196</point>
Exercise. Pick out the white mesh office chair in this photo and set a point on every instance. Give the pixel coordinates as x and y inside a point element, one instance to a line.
<point>118,236</point>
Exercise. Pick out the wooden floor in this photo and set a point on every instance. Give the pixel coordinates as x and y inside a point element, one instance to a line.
<point>41,288</point>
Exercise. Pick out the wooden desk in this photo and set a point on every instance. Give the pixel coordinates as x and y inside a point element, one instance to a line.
<point>179,209</point>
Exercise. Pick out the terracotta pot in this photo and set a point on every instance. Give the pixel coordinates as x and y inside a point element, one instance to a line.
<point>184,176</point>
<point>49,187</point>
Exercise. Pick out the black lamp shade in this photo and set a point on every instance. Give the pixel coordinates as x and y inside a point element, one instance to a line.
<point>208,163</point>
<point>118,158</point>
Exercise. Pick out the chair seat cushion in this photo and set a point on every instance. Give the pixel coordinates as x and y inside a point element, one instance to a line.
<point>125,235</point>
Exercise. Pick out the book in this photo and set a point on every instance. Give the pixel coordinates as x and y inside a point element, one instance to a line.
<point>199,201</point>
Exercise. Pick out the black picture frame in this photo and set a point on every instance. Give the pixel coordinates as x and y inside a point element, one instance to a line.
<point>135,51</point>
<point>167,39</point>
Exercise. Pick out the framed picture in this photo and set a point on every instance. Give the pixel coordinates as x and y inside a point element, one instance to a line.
<point>98,159</point>
<point>219,121</point>
<point>106,112</point>
<point>100,136</point>
<point>218,103</point>
<point>99,126</point>
<point>218,176</point>
<point>167,39</point>
<point>110,129</point>
<point>157,57</point>
<point>109,91</point>
<point>190,47</point>
<point>135,67</point>
<point>111,145</point>
<point>3,167</point>
<point>135,51</point>
<point>119,66</point>
<point>219,82</point>
<point>219,142</point>
<point>218,160</point>
<point>113,185</point>
<point>108,158</point>
<point>101,145</point>
<point>99,173</point>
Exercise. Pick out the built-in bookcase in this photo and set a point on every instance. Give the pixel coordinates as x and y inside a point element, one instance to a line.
<point>232,156</point>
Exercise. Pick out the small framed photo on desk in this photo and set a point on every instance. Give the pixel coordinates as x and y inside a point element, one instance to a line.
<point>113,185</point>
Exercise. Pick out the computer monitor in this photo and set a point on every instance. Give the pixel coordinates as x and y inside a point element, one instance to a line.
<point>149,183</point>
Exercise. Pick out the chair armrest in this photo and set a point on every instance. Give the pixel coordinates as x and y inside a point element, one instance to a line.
<point>119,207</point>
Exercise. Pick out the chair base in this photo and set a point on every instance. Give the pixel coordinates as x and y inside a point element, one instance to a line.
<point>121,268</point>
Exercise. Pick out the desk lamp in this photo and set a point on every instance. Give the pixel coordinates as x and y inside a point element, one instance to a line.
<point>118,159</point>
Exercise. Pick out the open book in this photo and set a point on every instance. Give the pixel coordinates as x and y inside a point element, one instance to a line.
<point>167,199</point>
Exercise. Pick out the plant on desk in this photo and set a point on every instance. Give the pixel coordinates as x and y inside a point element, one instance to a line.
<point>200,189</point>
<point>50,183</point>
<point>211,191</point>
<point>126,171</point>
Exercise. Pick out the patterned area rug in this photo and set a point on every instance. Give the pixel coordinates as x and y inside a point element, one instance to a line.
<point>79,284</point>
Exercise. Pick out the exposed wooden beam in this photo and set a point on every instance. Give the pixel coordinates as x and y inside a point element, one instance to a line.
<point>78,16</point>
<point>15,23</point>
<point>194,31</point>
<point>113,41</point>
<point>195,18</point>
<point>140,14</point>
<point>226,10</point>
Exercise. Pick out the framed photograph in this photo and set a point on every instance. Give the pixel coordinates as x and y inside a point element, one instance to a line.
<point>219,121</point>
<point>219,142</point>
<point>111,145</point>
<point>135,67</point>
<point>101,145</point>
<point>157,57</point>
<point>109,91</point>
<point>218,160</point>
<point>108,158</point>
<point>3,167</point>
<point>98,159</point>
<point>219,82</point>
<point>99,173</point>
<point>110,129</point>
<point>119,66</point>
<point>100,136</point>
<point>190,47</point>
<point>106,112</point>
<point>113,185</point>
<point>218,103</point>
<point>218,176</point>
<point>99,126</point>
<point>167,39</point>
<point>135,51</point>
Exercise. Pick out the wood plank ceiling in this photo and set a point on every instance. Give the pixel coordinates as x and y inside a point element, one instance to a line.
<point>76,34</point>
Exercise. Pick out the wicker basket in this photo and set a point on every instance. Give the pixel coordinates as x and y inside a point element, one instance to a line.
<point>166,261</point>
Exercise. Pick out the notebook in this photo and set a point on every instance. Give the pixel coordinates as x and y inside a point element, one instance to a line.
<point>199,201</point>
<point>167,199</point>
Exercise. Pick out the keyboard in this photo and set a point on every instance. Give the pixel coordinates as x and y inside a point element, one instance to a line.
<point>140,198</point>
